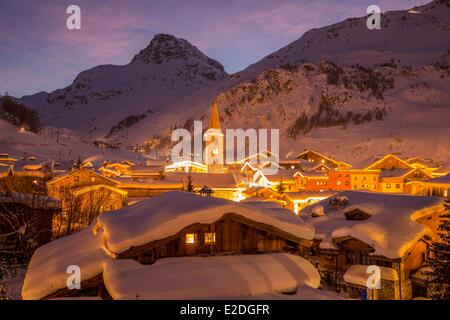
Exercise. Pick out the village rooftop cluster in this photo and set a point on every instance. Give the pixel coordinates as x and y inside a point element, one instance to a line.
<point>223,231</point>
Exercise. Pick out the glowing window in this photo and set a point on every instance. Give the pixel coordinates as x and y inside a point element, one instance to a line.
<point>190,238</point>
<point>210,237</point>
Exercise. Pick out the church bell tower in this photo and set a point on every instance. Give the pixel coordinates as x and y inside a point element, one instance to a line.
<point>213,155</point>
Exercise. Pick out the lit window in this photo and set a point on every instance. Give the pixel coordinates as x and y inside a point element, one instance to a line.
<point>76,178</point>
<point>210,237</point>
<point>190,238</point>
<point>388,186</point>
<point>339,183</point>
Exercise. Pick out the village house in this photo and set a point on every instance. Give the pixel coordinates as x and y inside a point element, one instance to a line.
<point>315,158</point>
<point>386,162</point>
<point>26,176</point>
<point>199,233</point>
<point>439,187</point>
<point>355,229</point>
<point>354,179</point>
<point>394,180</point>
<point>284,180</point>
<point>312,181</point>
<point>84,194</point>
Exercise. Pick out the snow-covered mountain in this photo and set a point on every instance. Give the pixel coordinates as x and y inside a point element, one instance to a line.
<point>103,100</point>
<point>416,37</point>
<point>342,89</point>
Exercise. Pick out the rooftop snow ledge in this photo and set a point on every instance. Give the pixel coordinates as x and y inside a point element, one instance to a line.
<point>165,215</point>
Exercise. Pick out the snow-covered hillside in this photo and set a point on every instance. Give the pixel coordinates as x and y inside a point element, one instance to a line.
<point>415,37</point>
<point>344,90</point>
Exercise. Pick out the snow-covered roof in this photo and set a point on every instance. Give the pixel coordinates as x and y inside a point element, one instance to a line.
<point>303,195</point>
<point>149,220</point>
<point>282,174</point>
<point>212,180</point>
<point>395,173</point>
<point>357,274</point>
<point>391,230</point>
<point>146,183</point>
<point>165,215</point>
<point>47,270</point>
<point>206,277</point>
<point>440,180</point>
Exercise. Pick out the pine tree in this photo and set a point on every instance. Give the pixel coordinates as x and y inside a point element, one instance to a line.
<point>189,186</point>
<point>439,277</point>
<point>78,163</point>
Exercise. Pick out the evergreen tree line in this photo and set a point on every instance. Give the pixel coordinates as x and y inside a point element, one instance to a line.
<point>125,123</point>
<point>19,115</point>
<point>364,79</point>
<point>328,116</point>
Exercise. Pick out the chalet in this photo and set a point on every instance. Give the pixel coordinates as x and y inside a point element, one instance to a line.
<point>393,180</point>
<point>353,179</point>
<point>355,229</point>
<point>423,163</point>
<point>291,164</point>
<point>312,181</point>
<point>316,158</point>
<point>439,187</point>
<point>261,192</point>
<point>186,227</point>
<point>84,194</point>
<point>26,176</point>
<point>387,162</point>
<point>285,178</point>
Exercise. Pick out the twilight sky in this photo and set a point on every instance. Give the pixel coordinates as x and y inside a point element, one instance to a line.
<point>38,52</point>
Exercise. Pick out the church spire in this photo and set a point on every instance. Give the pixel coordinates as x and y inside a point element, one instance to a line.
<point>214,121</point>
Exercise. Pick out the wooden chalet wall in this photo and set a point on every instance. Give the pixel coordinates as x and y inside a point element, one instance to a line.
<point>234,234</point>
<point>78,178</point>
